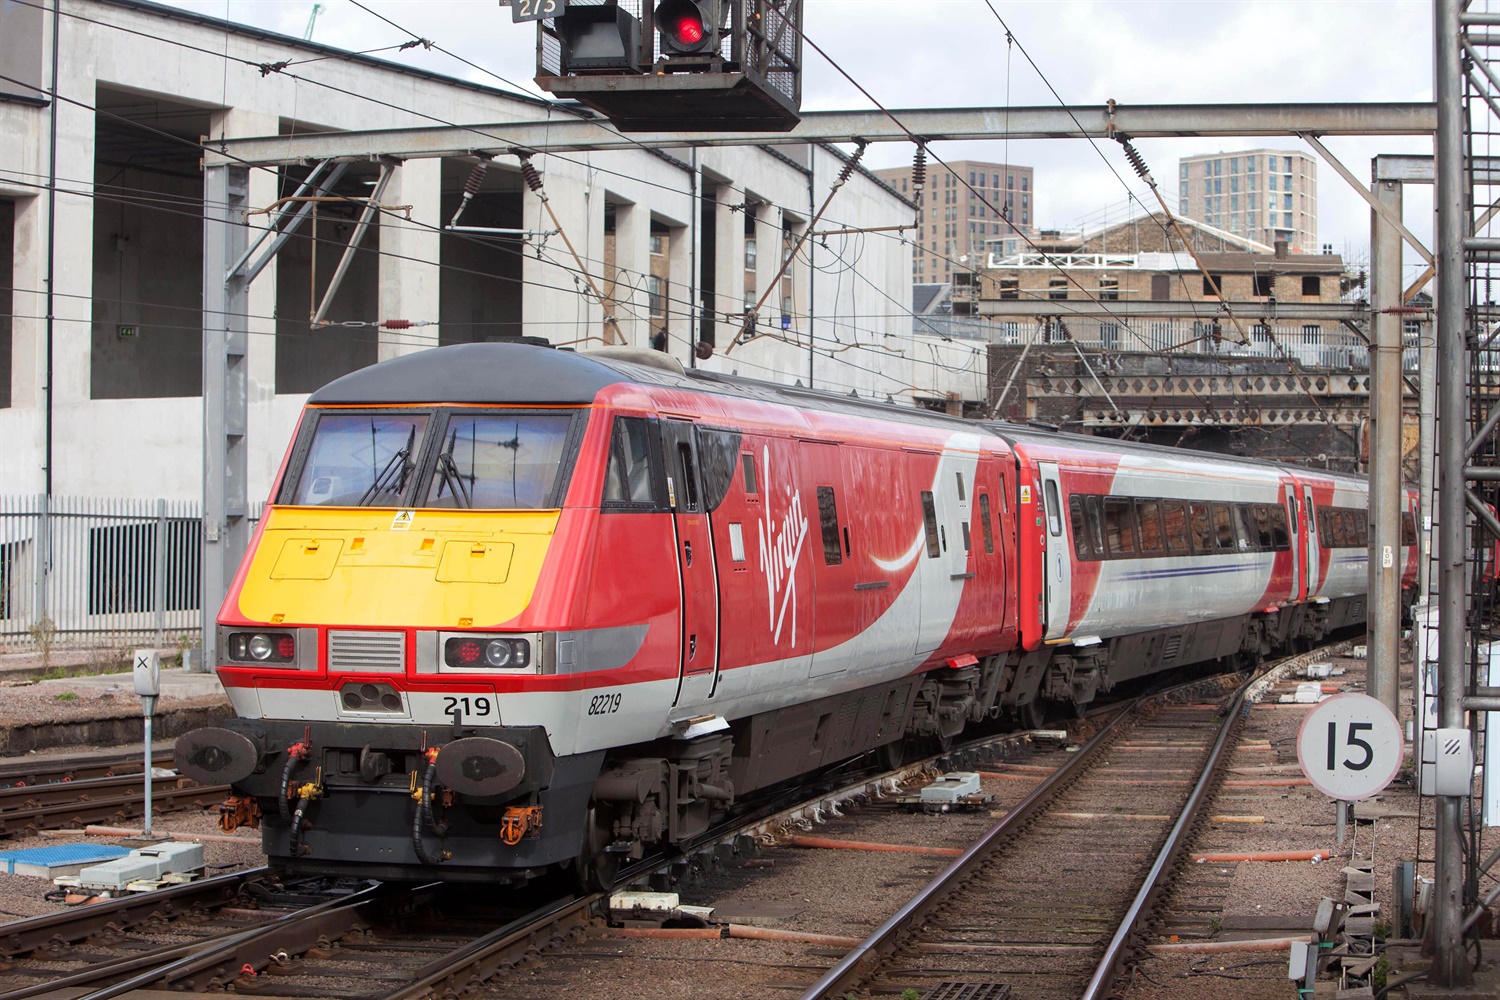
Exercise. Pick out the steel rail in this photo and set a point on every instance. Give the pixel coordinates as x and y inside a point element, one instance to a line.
<point>477,961</point>
<point>33,771</point>
<point>65,802</point>
<point>1166,858</point>
<point>67,926</point>
<point>855,966</point>
<point>287,929</point>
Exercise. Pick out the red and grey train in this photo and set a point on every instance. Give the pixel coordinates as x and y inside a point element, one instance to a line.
<point>511,608</point>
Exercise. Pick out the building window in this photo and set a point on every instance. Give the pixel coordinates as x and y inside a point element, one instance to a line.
<point>658,244</point>
<point>1264,285</point>
<point>1010,288</point>
<point>1272,181</point>
<point>1010,180</point>
<point>749,255</point>
<point>1312,284</point>
<point>1109,289</point>
<point>1213,284</point>
<point>1025,182</point>
<point>1270,163</point>
<point>1182,171</point>
<point>1234,164</point>
<point>655,296</point>
<point>1288,164</point>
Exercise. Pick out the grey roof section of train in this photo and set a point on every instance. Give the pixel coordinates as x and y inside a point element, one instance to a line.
<point>513,373</point>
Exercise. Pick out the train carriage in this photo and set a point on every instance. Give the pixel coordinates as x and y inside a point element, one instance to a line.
<point>512,608</point>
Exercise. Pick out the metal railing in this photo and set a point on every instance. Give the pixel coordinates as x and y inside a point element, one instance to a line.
<point>79,572</point>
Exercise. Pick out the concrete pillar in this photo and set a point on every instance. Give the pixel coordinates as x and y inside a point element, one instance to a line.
<point>632,265</point>
<point>410,254</point>
<point>555,300</point>
<point>680,292</point>
<point>767,264</point>
<point>729,266</point>
<point>1383,633</point>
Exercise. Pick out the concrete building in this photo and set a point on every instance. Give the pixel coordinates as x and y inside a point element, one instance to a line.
<point>1262,194</point>
<point>103,399</point>
<point>956,222</point>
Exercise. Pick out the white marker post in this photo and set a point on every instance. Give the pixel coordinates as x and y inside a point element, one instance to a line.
<point>1350,748</point>
<point>147,673</point>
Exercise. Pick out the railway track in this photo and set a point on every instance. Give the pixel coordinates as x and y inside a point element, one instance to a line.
<point>1105,831</point>
<point>30,771</point>
<point>405,945</point>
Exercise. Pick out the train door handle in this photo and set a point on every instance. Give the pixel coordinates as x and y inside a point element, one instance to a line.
<point>692,645</point>
<point>687,552</point>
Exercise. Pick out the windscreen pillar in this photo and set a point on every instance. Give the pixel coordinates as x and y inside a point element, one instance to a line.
<point>1386,556</point>
<point>409,263</point>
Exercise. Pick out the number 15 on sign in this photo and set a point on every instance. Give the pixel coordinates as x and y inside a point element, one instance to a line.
<point>1350,747</point>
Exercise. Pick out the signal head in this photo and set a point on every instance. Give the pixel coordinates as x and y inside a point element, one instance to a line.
<point>687,27</point>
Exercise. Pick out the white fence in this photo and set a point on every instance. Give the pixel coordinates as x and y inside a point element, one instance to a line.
<point>88,572</point>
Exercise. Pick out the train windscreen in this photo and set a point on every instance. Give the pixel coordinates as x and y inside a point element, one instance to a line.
<point>360,460</point>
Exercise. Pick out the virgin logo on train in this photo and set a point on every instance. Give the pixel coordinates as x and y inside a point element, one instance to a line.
<point>780,547</point>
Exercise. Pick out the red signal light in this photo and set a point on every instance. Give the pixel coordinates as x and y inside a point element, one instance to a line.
<point>286,647</point>
<point>688,30</point>
<point>469,651</point>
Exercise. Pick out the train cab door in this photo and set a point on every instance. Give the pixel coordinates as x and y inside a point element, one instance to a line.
<point>1057,559</point>
<point>1310,533</point>
<point>698,655</point>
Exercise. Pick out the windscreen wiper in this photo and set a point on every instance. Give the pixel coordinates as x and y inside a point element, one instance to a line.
<point>392,478</point>
<point>452,478</point>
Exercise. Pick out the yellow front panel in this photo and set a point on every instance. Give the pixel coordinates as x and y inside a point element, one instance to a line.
<point>423,568</point>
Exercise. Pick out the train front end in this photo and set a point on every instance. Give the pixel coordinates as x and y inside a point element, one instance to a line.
<point>391,644</point>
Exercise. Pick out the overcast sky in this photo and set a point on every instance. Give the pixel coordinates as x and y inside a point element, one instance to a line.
<point>953,53</point>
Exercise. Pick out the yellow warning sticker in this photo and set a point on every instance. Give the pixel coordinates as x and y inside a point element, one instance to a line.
<point>1025,493</point>
<point>402,520</point>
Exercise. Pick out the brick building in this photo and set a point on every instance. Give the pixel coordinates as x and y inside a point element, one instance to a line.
<point>1264,194</point>
<point>956,223</point>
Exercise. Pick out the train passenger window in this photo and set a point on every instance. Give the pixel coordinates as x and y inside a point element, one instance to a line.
<point>1244,522</point>
<point>1408,530</point>
<point>747,464</point>
<point>1291,506</point>
<point>1119,527</point>
<point>960,477</point>
<point>1281,538</point>
<point>929,524</point>
<point>1262,517</point>
<point>1054,508</point>
<point>1148,513</point>
<point>1083,546</point>
<point>1174,516</point>
<point>1223,529</point>
<point>984,524</point>
<point>968,541</point>
<point>629,479</point>
<point>1343,535</point>
<point>828,517</point>
<point>1203,532</point>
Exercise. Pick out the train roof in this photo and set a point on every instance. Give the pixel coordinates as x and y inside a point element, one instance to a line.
<point>1016,434</point>
<point>511,373</point>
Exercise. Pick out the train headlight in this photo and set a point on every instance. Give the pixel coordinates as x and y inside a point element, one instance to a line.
<point>262,647</point>
<point>479,652</point>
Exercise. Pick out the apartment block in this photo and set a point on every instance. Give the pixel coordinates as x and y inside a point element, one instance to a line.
<point>957,218</point>
<point>1263,194</point>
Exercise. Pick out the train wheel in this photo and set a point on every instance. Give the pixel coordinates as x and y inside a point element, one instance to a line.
<point>597,867</point>
<point>1030,715</point>
<point>893,754</point>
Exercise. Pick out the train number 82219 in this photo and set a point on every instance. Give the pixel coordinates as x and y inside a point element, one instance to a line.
<point>605,704</point>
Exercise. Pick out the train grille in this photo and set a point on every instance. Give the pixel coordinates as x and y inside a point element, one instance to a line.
<point>367,652</point>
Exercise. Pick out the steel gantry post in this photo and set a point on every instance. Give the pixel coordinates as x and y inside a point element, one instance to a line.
<point>1384,569</point>
<point>226,306</point>
<point>1450,964</point>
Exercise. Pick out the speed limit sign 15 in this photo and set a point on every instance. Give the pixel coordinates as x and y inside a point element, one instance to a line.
<point>1350,747</point>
